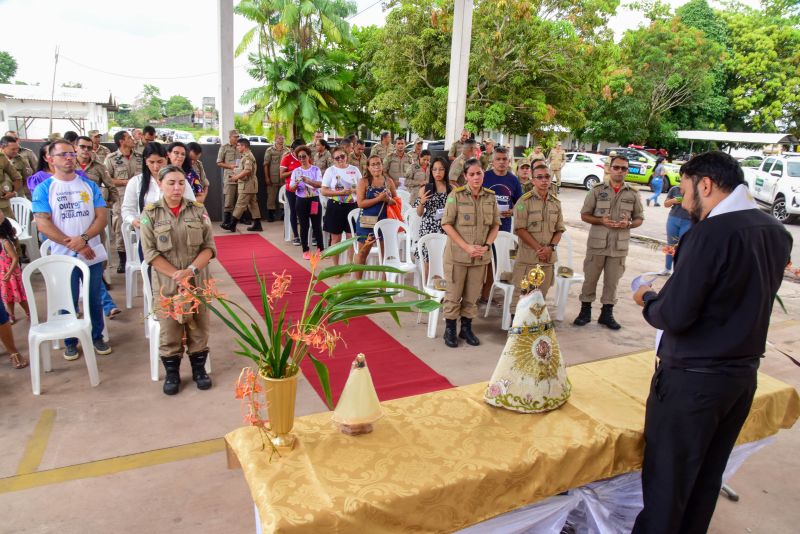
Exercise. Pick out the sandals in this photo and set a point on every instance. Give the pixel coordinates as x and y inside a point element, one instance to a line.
<point>18,361</point>
<point>12,320</point>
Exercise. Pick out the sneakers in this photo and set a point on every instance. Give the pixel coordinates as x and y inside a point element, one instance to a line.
<point>296,241</point>
<point>71,353</point>
<point>113,313</point>
<point>665,272</point>
<point>307,255</point>
<point>101,347</point>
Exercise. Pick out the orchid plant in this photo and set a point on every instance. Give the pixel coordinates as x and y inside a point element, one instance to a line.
<point>277,344</point>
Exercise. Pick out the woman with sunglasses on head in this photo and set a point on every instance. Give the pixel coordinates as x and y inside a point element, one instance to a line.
<point>143,188</point>
<point>374,192</point>
<point>339,185</point>
<point>178,155</point>
<point>305,182</point>
<point>195,151</point>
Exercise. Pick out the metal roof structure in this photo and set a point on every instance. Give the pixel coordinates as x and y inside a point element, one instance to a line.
<point>738,137</point>
<point>62,94</point>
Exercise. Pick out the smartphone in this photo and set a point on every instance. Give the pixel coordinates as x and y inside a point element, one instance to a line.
<point>678,199</point>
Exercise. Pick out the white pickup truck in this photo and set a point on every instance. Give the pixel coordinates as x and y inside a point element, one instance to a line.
<point>775,184</point>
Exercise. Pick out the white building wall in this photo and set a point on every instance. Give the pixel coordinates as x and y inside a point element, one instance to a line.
<point>95,117</point>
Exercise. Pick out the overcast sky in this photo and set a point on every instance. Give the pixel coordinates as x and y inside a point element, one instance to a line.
<point>167,43</point>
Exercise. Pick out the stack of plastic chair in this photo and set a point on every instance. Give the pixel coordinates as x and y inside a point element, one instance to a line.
<point>22,208</point>
<point>503,246</point>
<point>133,262</point>
<point>392,231</point>
<point>435,245</point>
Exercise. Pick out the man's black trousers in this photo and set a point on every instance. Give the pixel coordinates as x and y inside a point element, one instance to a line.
<point>691,425</point>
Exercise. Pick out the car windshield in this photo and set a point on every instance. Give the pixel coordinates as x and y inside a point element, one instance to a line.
<point>793,168</point>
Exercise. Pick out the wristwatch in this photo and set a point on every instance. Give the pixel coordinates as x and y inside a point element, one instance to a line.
<point>552,246</point>
<point>85,238</point>
<point>192,268</point>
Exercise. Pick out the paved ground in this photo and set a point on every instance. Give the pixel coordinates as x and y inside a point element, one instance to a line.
<point>123,457</point>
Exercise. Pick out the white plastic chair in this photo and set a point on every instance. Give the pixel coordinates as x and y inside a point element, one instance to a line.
<point>22,209</point>
<point>132,262</point>
<point>405,197</point>
<point>393,231</point>
<point>152,326</point>
<point>435,244</point>
<point>55,270</point>
<point>563,284</point>
<point>502,245</point>
<point>287,225</point>
<point>372,257</point>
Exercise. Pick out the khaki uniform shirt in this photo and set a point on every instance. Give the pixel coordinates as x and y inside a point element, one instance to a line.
<point>121,168</point>
<point>179,240</point>
<point>25,170</point>
<point>455,149</point>
<point>457,170</point>
<point>542,219</point>
<point>473,219</point>
<point>601,201</point>
<point>99,175</point>
<point>397,167</point>
<point>361,162</point>
<point>323,161</point>
<point>227,154</point>
<point>536,155</point>
<point>30,157</point>
<point>272,163</point>
<point>249,183</point>
<point>486,160</point>
<point>101,154</point>
<point>416,178</point>
<point>8,175</point>
<point>557,159</point>
<point>381,150</point>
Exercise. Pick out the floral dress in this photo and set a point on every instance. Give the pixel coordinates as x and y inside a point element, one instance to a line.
<point>431,218</point>
<point>11,289</point>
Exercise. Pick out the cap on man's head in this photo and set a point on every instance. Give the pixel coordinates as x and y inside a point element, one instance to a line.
<point>418,141</point>
<point>233,132</point>
<point>612,153</point>
<point>524,162</point>
<point>53,136</point>
<point>92,133</point>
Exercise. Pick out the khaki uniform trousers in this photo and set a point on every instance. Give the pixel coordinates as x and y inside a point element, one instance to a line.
<point>230,190</point>
<point>464,283</point>
<point>557,176</point>
<point>170,342</point>
<point>116,222</point>
<point>272,194</point>
<point>612,268</point>
<point>244,202</point>
<point>521,270</point>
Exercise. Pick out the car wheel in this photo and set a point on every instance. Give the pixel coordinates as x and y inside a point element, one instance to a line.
<point>591,181</point>
<point>779,211</point>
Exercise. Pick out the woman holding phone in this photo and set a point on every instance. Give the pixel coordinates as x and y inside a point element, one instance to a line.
<point>305,183</point>
<point>374,192</point>
<point>678,223</point>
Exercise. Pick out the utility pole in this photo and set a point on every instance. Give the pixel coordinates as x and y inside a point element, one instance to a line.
<point>53,90</point>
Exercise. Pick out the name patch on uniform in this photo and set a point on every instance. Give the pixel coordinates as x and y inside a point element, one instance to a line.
<point>604,195</point>
<point>162,223</point>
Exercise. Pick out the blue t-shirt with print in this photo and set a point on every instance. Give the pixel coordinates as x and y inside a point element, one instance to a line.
<point>507,190</point>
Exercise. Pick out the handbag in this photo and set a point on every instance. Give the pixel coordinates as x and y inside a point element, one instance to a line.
<point>395,211</point>
<point>369,221</point>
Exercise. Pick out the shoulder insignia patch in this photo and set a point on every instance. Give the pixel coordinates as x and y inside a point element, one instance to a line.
<point>486,189</point>
<point>459,189</point>
<point>150,207</point>
<point>198,204</point>
<point>451,200</point>
<point>601,184</point>
<point>524,197</point>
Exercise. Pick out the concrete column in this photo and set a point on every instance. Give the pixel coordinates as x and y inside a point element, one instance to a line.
<point>225,22</point>
<point>459,70</point>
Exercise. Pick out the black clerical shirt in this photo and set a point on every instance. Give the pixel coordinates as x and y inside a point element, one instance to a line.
<point>716,306</point>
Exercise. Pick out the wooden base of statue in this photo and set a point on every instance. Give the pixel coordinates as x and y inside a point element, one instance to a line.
<point>355,429</point>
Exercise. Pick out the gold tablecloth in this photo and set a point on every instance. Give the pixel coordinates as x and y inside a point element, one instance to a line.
<point>442,461</point>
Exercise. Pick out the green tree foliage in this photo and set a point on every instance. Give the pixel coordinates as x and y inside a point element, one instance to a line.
<point>8,67</point>
<point>764,68</point>
<point>178,105</point>
<point>365,58</point>
<point>299,59</point>
<point>149,105</point>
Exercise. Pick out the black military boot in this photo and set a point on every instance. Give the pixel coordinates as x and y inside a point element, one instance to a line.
<point>122,261</point>
<point>270,215</point>
<point>450,333</point>
<point>466,332</point>
<point>607,317</point>
<point>256,226</point>
<point>199,374</point>
<point>246,218</point>
<point>585,316</point>
<point>226,220</point>
<point>231,226</point>
<point>172,382</point>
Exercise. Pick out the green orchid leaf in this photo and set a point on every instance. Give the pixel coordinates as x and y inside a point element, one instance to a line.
<point>338,248</point>
<point>324,379</point>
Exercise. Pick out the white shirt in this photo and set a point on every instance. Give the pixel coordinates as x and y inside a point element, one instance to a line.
<point>130,204</point>
<point>347,178</point>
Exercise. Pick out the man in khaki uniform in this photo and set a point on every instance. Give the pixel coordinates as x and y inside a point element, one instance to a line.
<point>556,162</point>
<point>537,154</point>
<point>471,221</point>
<point>539,223</point>
<point>384,148</point>
<point>182,241</point>
<point>458,147</point>
<point>357,158</point>
<point>96,172</point>
<point>323,159</point>
<point>26,153</point>
<point>272,174</point>
<point>488,154</point>
<point>10,147</point>
<point>417,175</point>
<point>612,209</point>
<point>226,159</point>
<point>414,154</point>
<point>457,167</point>
<point>607,166</point>
<point>398,163</point>
<point>10,181</point>
<point>100,151</point>
<point>246,180</point>
<point>122,165</point>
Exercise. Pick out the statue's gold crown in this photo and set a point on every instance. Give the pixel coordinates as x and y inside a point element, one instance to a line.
<point>534,279</point>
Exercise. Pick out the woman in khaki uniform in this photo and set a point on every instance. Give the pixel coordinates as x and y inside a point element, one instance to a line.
<point>178,243</point>
<point>471,221</point>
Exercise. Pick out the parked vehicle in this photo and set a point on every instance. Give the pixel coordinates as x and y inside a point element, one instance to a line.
<point>776,185</point>
<point>583,169</point>
<point>641,165</point>
<point>183,137</point>
<point>751,161</point>
<point>210,140</point>
<point>256,139</point>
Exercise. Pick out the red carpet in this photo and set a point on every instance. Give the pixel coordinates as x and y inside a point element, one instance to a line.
<point>395,370</point>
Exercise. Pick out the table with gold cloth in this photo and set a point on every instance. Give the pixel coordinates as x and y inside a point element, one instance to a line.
<point>442,461</point>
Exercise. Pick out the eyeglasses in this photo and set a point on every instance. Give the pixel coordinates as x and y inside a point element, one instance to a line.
<point>619,167</point>
<point>339,157</point>
<point>85,147</point>
<point>544,177</point>
<point>66,154</point>
<point>302,156</point>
